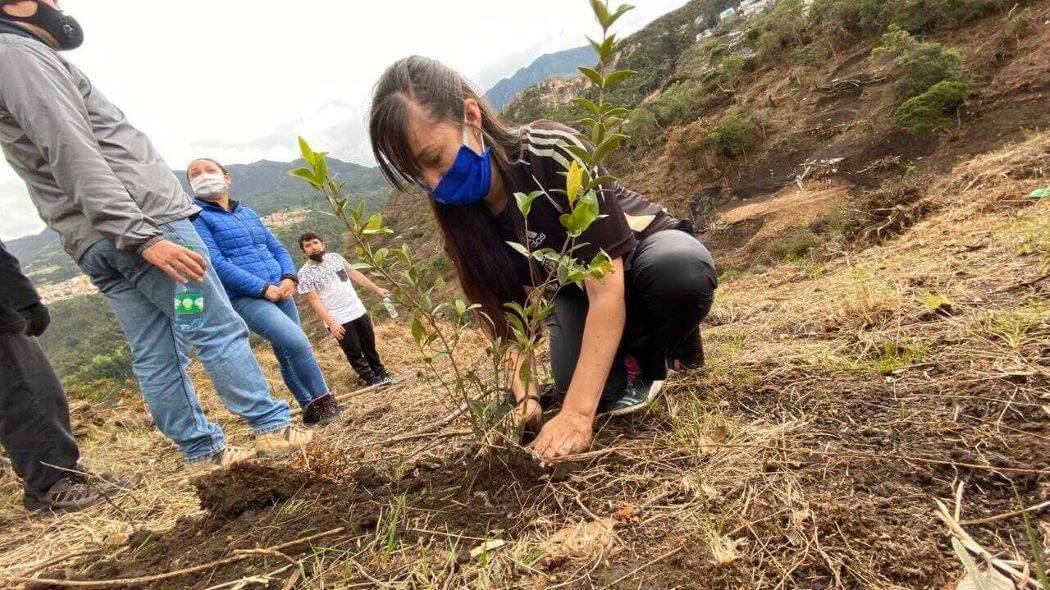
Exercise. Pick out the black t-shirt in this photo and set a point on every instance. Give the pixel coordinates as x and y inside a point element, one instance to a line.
<point>543,163</point>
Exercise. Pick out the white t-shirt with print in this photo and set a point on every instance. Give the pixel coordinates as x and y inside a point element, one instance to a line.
<point>332,284</point>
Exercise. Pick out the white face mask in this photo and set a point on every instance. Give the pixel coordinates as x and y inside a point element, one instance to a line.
<point>209,186</point>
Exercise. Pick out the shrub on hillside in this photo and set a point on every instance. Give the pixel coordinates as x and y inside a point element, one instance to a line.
<point>780,29</point>
<point>849,16</point>
<point>865,17</point>
<point>735,135</point>
<point>930,110</point>
<point>642,126</point>
<point>794,244</point>
<point>676,104</point>
<point>918,66</point>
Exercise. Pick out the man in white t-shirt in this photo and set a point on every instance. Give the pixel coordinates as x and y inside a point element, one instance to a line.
<point>325,280</point>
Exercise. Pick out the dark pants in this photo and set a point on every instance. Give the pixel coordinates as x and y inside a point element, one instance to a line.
<point>359,346</point>
<point>670,285</point>
<point>34,415</point>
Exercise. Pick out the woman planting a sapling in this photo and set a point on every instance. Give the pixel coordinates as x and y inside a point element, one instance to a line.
<point>611,338</point>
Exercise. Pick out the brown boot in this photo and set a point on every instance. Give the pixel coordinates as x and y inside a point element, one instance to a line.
<point>288,440</point>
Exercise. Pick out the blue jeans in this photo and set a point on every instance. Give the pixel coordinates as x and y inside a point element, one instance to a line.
<point>278,323</point>
<point>142,297</point>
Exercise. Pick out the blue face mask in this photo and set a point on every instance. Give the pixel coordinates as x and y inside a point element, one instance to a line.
<point>467,181</point>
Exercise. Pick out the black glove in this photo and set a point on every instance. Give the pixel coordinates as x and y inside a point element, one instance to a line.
<point>37,318</point>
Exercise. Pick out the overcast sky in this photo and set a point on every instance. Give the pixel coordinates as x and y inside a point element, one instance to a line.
<point>239,79</point>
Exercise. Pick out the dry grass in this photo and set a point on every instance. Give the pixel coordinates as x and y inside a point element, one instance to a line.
<point>836,409</point>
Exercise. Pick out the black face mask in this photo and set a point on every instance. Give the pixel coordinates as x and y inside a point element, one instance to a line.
<point>65,29</point>
<point>317,257</point>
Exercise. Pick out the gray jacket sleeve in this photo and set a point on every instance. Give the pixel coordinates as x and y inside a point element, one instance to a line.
<point>39,93</point>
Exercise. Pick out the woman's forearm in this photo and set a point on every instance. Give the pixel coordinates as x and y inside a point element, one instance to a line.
<point>602,332</point>
<point>515,360</point>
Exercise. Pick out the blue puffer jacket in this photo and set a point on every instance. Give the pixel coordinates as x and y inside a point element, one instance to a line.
<point>246,255</point>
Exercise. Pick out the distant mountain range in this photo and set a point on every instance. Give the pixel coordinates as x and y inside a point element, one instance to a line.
<point>562,64</point>
<point>264,186</point>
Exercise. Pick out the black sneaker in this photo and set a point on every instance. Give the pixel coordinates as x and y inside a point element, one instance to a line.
<point>70,494</point>
<point>329,409</point>
<point>635,397</point>
<point>381,380</point>
<point>312,412</point>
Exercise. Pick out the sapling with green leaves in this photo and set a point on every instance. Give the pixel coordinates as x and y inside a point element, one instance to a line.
<point>437,327</point>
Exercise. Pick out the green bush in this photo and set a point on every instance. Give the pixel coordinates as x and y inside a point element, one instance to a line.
<point>725,72</point>
<point>850,16</point>
<point>677,104</point>
<point>919,66</point>
<point>795,245</point>
<point>929,111</point>
<point>865,17</point>
<point>781,29</point>
<point>642,126</point>
<point>735,135</point>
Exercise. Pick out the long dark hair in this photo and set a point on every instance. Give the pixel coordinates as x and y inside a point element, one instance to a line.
<point>485,267</point>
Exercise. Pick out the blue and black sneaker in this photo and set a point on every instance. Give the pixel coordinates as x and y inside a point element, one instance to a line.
<point>635,397</point>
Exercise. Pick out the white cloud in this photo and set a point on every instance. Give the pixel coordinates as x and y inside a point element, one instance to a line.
<point>239,79</point>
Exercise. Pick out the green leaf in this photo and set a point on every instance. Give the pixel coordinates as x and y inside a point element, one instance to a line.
<point>601,12</point>
<point>461,307</point>
<point>417,329</point>
<point>595,77</point>
<point>321,168</point>
<point>623,9</point>
<point>525,201</point>
<point>573,181</point>
<point>361,266</point>
<point>586,105</point>
<point>525,372</point>
<point>618,76</point>
<point>380,255</point>
<point>582,154</point>
<point>607,147</point>
<point>306,151</point>
<point>519,248</point>
<point>307,175</point>
<point>601,181</point>
<point>605,48</point>
<point>374,225</point>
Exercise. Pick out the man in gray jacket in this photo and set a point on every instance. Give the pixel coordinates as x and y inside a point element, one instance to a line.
<point>122,215</point>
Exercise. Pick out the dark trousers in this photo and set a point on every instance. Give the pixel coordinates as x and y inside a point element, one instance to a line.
<point>34,415</point>
<point>670,285</point>
<point>359,346</point>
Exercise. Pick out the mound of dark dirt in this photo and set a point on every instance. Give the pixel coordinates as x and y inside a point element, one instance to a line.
<point>248,486</point>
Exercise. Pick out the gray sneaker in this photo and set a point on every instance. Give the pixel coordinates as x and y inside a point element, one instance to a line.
<point>71,493</point>
<point>635,397</point>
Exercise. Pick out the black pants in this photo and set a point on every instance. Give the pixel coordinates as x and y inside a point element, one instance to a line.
<point>34,415</point>
<point>359,346</point>
<point>670,286</point>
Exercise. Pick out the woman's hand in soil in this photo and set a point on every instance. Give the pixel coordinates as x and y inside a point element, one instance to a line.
<point>527,415</point>
<point>566,434</point>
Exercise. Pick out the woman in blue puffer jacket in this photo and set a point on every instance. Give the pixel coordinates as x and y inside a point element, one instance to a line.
<point>260,278</point>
